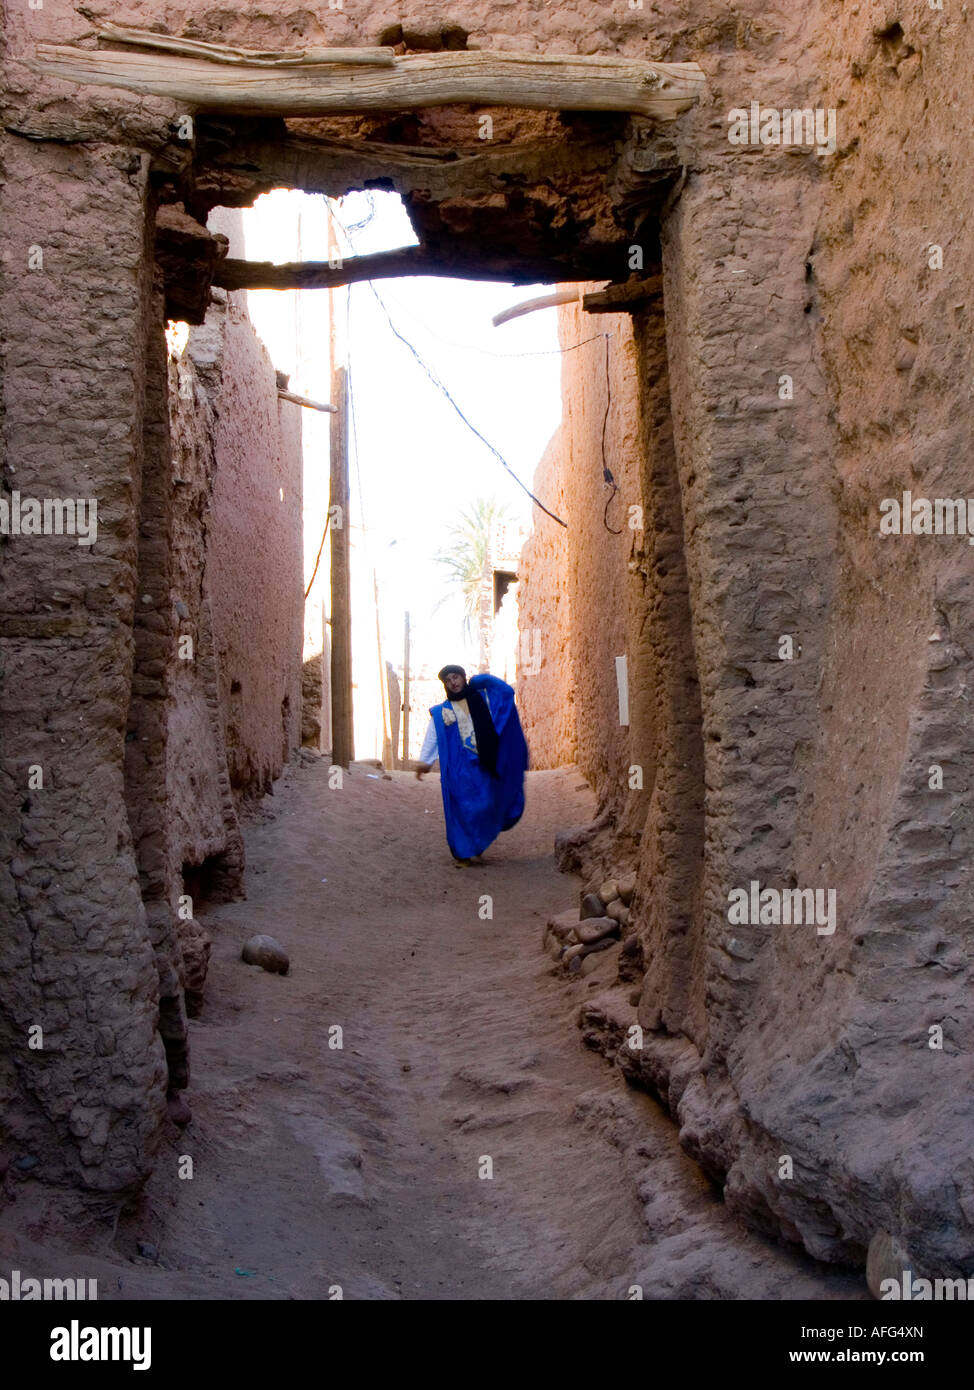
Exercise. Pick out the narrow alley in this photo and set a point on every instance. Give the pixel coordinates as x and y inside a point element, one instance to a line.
<point>317,1169</point>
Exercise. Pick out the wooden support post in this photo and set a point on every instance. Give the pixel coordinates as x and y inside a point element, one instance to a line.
<point>388,752</point>
<point>405,694</point>
<point>342,739</point>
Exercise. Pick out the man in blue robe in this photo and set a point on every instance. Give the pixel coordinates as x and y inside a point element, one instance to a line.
<point>476,735</point>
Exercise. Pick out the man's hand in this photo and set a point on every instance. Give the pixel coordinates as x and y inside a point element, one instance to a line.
<point>423,767</point>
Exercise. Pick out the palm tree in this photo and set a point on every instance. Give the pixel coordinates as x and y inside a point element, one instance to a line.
<point>468,558</point>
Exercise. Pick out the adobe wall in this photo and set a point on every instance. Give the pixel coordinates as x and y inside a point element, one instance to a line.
<point>815,770</point>
<point>77,956</point>
<point>114,774</point>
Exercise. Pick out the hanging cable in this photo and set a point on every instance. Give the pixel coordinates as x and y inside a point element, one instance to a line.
<point>320,549</point>
<point>606,470</point>
<point>473,429</point>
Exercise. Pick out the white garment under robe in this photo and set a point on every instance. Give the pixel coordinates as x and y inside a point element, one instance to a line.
<point>429,753</point>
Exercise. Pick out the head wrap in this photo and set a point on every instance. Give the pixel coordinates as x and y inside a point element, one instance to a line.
<point>483,725</point>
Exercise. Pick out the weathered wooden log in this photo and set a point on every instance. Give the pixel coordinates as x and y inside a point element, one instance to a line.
<point>234,274</point>
<point>528,306</point>
<point>225,53</point>
<point>306,401</point>
<point>535,81</point>
<point>620,299</point>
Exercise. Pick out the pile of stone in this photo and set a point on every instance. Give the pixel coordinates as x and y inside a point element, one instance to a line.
<point>599,924</point>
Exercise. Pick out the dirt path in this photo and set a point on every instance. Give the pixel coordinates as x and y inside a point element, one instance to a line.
<point>316,1167</point>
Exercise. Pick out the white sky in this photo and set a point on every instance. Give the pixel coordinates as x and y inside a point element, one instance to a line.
<point>418,463</point>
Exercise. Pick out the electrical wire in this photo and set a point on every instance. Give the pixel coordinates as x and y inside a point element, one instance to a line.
<point>473,429</point>
<point>486,352</point>
<point>606,471</point>
<point>320,549</point>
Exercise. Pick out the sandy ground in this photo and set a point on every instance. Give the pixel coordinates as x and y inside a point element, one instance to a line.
<point>359,1169</point>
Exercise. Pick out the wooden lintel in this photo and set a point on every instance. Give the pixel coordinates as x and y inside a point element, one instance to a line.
<point>620,299</point>
<point>233,274</point>
<point>308,88</point>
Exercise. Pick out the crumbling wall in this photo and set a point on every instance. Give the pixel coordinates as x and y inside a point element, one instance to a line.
<point>237,591</point>
<point>544,671</point>
<point>255,560</point>
<point>573,600</point>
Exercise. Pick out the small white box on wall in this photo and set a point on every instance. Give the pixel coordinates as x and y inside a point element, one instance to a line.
<point>622,681</point>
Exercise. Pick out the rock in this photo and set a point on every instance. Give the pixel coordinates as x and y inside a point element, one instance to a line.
<point>595,928</point>
<point>609,891</point>
<point>887,1259</point>
<point>627,888</point>
<point>178,1111</point>
<point>593,961</point>
<point>267,953</point>
<point>147,1250</point>
<point>592,906</point>
<point>618,911</point>
<point>562,925</point>
<point>585,948</point>
<point>559,930</point>
<point>26,1163</point>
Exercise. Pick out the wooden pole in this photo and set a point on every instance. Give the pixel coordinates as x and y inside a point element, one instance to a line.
<point>342,740</point>
<point>545,301</point>
<point>536,81</point>
<point>388,753</point>
<point>405,695</point>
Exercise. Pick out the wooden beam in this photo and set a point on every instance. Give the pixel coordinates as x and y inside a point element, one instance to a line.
<point>306,401</point>
<point>528,306</point>
<point>232,157</point>
<point>467,264</point>
<point>535,81</point>
<point>226,53</point>
<point>622,299</point>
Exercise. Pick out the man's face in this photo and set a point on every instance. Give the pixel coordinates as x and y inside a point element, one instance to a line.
<point>454,683</point>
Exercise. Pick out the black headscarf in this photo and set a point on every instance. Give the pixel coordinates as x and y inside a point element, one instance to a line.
<point>483,725</point>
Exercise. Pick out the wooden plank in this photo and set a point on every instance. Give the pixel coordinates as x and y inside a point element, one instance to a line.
<point>619,299</point>
<point>531,80</point>
<point>226,53</point>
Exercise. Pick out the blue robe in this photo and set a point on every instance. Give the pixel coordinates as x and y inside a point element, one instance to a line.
<point>476,805</point>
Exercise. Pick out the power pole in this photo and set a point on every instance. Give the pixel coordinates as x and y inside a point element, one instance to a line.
<point>342,742</point>
<point>342,727</point>
<point>405,696</point>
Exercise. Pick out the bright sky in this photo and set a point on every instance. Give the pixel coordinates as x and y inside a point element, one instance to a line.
<point>414,465</point>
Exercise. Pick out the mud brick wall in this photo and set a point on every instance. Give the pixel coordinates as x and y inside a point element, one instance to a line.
<point>77,956</point>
